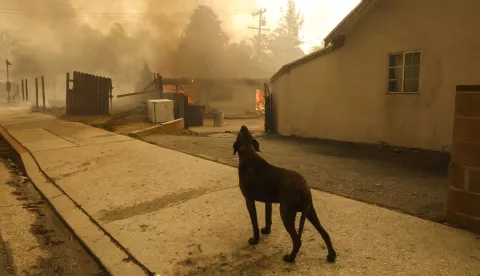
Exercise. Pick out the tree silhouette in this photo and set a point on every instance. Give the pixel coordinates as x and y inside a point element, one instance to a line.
<point>203,44</point>
<point>285,41</point>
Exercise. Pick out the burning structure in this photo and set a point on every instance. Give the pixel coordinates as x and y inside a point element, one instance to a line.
<point>233,97</point>
<point>260,101</point>
<point>205,96</point>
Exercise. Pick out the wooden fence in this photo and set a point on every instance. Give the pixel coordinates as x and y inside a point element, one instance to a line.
<point>89,95</point>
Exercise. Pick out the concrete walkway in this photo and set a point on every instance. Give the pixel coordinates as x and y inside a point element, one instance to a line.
<point>175,214</point>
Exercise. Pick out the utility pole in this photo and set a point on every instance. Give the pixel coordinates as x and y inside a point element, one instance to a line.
<point>9,86</point>
<point>261,22</point>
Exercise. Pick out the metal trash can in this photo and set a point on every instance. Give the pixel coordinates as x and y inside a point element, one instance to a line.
<point>218,119</point>
<point>195,115</point>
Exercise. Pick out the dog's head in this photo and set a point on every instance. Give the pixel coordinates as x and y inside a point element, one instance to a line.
<point>245,140</point>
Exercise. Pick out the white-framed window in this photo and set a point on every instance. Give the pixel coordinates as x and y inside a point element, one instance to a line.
<point>404,72</point>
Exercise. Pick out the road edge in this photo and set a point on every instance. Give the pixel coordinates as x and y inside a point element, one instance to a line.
<point>115,259</point>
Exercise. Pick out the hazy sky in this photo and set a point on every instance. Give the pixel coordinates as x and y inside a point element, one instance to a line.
<point>321,16</point>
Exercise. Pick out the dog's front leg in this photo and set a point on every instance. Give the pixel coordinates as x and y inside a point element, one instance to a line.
<point>253,217</point>
<point>268,219</point>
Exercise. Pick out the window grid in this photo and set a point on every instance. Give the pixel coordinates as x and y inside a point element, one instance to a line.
<point>411,64</point>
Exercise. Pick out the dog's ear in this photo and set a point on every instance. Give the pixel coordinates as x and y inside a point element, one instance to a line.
<point>235,147</point>
<point>256,145</point>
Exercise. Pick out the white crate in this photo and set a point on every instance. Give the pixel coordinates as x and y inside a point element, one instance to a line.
<point>160,111</point>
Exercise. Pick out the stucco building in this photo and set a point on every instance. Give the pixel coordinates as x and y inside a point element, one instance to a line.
<point>388,73</point>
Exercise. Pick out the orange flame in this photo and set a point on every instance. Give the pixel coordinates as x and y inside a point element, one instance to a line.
<point>260,101</point>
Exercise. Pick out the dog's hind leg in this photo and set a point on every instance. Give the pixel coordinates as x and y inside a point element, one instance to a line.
<point>253,217</point>
<point>313,218</point>
<point>268,219</point>
<point>288,218</point>
<point>302,224</point>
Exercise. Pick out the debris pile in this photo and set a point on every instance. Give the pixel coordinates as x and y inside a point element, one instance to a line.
<point>187,132</point>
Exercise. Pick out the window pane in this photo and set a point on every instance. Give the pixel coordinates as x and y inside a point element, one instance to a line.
<point>392,86</point>
<point>416,72</point>
<point>394,73</point>
<point>395,79</point>
<point>415,85</point>
<point>395,85</point>
<point>396,60</point>
<point>408,72</point>
<point>408,59</point>
<point>416,58</point>
<point>407,85</point>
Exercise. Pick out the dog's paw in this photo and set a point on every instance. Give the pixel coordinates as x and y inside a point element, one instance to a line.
<point>331,257</point>
<point>266,230</point>
<point>253,241</point>
<point>288,258</point>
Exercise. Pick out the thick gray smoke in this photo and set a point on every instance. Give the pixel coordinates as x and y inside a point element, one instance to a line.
<point>55,39</point>
<point>51,37</point>
<point>60,40</point>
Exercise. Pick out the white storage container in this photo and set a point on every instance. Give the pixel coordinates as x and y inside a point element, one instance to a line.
<point>160,111</point>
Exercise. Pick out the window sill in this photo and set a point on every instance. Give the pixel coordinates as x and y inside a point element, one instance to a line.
<point>403,93</point>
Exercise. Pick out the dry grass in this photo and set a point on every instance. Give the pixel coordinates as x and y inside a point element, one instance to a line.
<point>122,123</point>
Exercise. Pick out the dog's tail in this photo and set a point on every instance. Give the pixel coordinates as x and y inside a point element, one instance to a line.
<point>302,219</point>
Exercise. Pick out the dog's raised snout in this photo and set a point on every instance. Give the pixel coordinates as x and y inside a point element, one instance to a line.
<point>245,138</point>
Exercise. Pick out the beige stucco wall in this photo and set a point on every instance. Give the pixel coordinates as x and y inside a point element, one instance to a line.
<point>342,95</point>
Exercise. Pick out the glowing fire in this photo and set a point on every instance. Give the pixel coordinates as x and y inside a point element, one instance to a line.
<point>260,100</point>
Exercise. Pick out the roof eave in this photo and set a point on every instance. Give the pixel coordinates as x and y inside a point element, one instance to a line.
<point>287,67</point>
<point>346,21</point>
<point>334,40</point>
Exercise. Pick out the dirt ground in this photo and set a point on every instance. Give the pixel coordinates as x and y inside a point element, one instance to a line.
<point>33,241</point>
<point>410,181</point>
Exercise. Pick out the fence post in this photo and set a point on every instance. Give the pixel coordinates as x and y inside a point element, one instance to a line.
<point>26,89</point>
<point>36,92</point>
<point>67,95</point>
<point>160,85</point>
<point>18,92</point>
<point>43,92</point>
<point>110,95</point>
<point>155,80</point>
<point>23,91</point>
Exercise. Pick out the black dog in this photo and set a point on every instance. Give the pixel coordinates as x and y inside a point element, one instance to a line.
<point>261,181</point>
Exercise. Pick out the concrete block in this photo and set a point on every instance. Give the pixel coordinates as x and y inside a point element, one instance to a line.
<point>464,202</point>
<point>174,126</point>
<point>456,176</point>
<point>467,103</point>
<point>466,130</point>
<point>474,180</point>
<point>466,154</point>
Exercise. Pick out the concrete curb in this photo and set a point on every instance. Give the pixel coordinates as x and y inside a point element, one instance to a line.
<point>109,253</point>
<point>170,127</point>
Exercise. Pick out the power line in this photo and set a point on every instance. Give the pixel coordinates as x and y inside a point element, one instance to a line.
<point>261,22</point>
<point>110,14</point>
